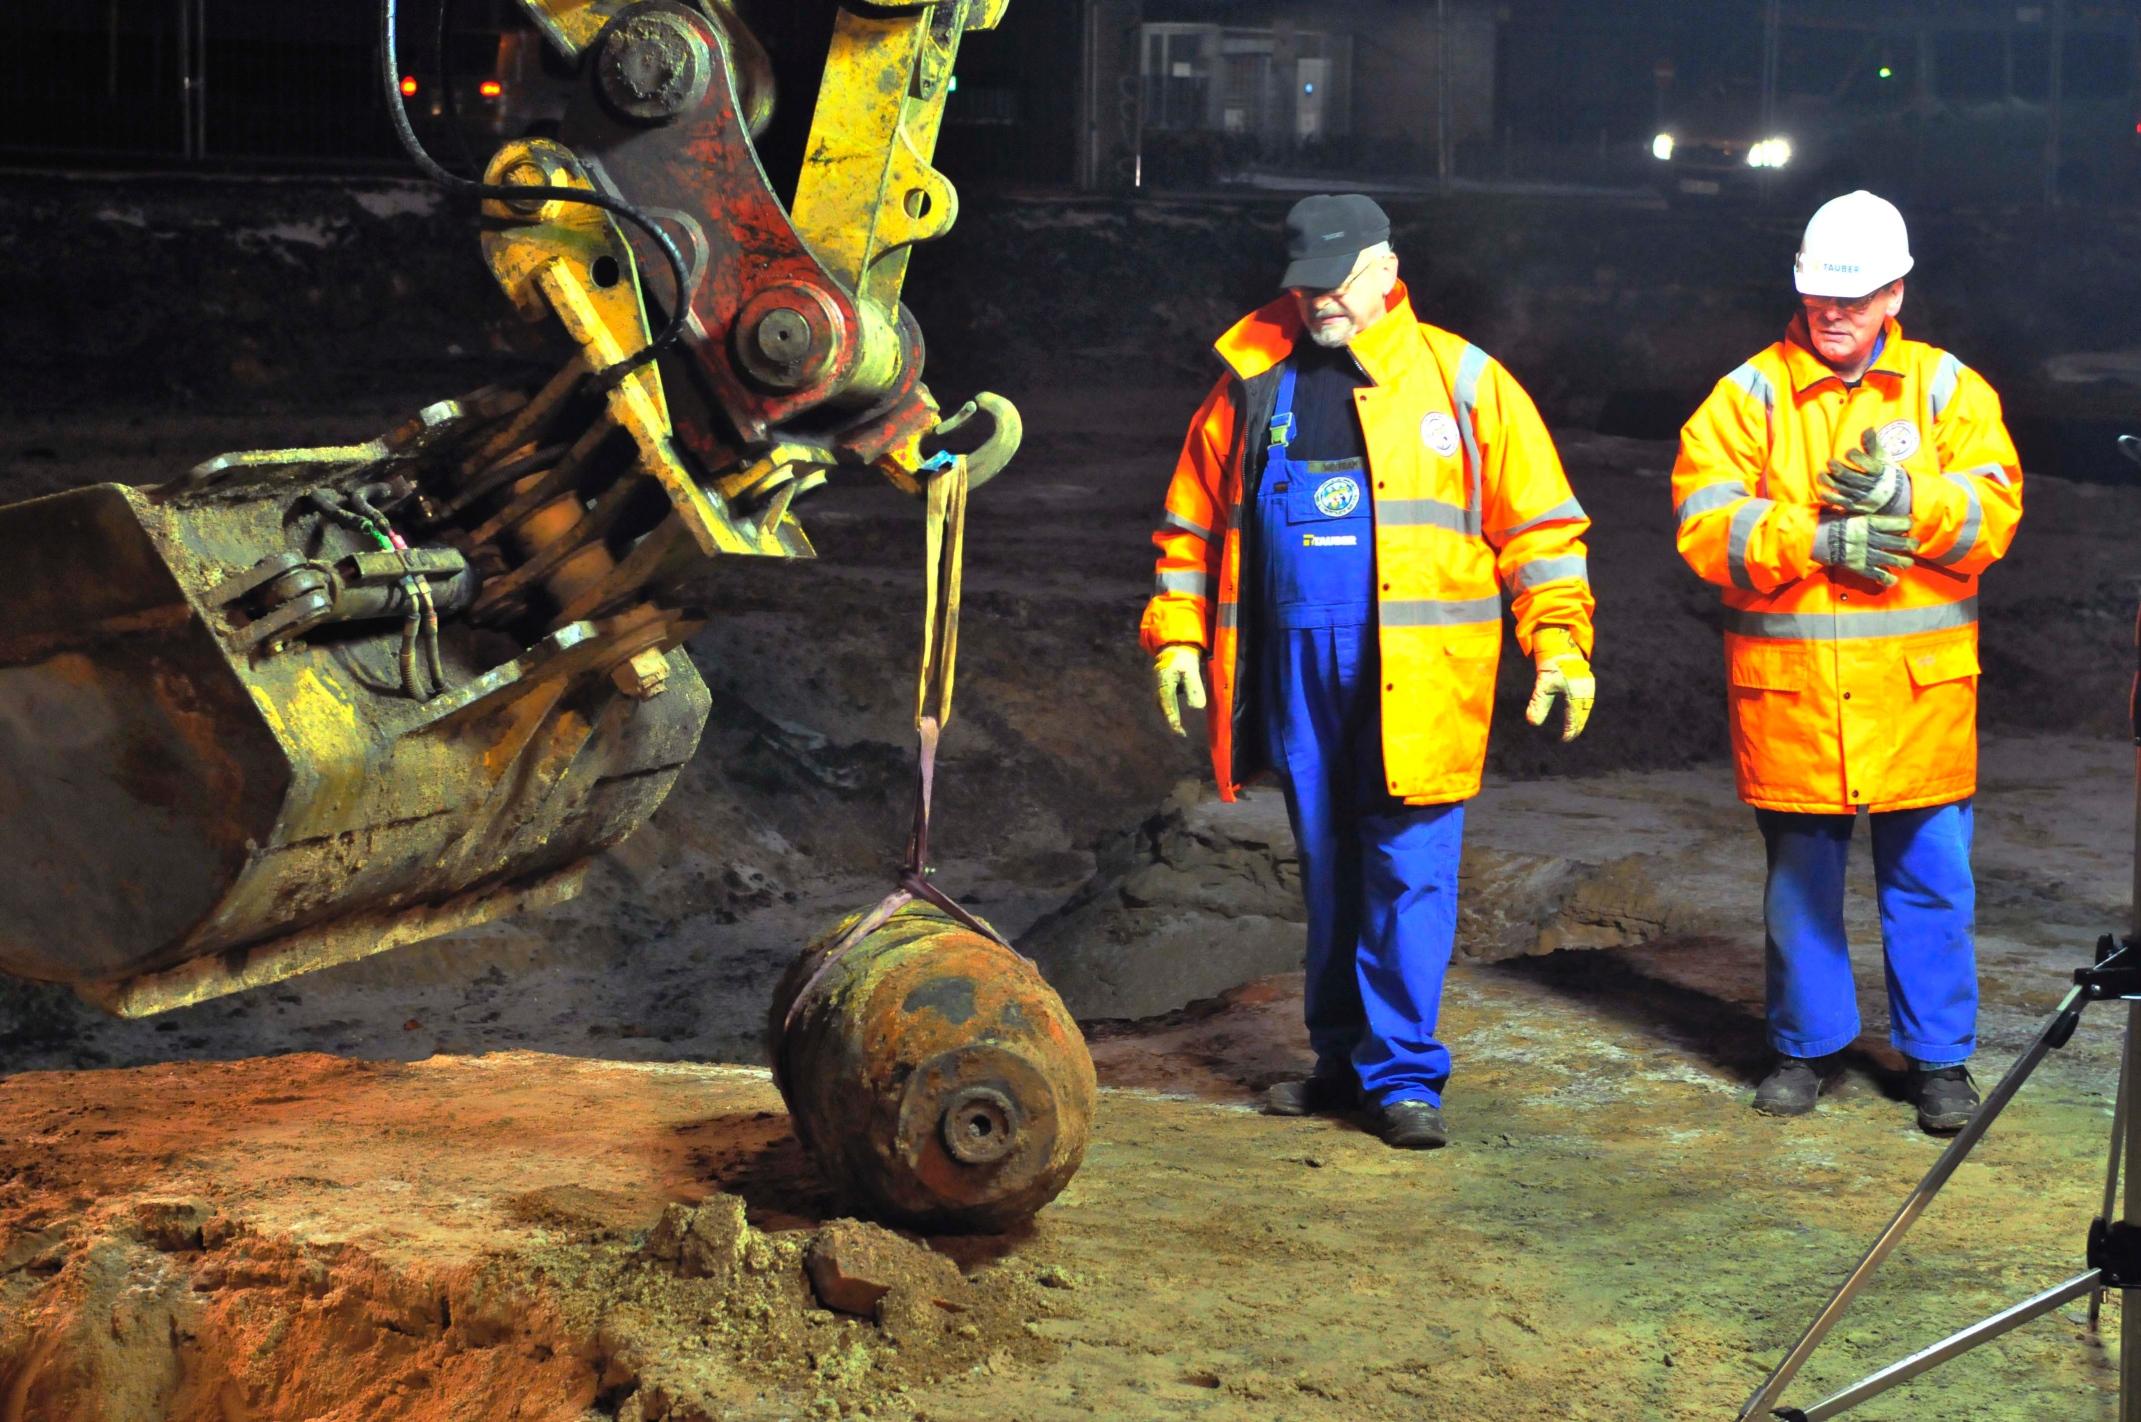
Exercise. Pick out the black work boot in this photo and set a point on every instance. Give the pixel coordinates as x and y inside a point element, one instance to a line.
<point>1945,1097</point>
<point>1318,1095</point>
<point>1409,1125</point>
<point>1792,1086</point>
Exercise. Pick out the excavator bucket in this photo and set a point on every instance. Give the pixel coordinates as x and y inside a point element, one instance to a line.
<point>186,812</point>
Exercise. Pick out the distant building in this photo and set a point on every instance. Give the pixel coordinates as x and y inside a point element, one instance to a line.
<point>1192,91</point>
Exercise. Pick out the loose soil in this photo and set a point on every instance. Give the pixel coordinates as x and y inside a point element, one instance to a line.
<point>1611,1232</point>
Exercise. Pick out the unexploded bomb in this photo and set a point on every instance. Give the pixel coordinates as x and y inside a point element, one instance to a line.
<point>932,1073</point>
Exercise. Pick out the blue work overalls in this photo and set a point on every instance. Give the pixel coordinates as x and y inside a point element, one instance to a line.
<point>1379,877</point>
<point>1921,869</point>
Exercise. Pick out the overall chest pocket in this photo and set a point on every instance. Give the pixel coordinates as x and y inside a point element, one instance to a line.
<point>1321,548</point>
<point>1327,495</point>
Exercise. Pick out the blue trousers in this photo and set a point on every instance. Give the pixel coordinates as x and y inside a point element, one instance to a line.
<point>1378,877</point>
<point>1928,900</point>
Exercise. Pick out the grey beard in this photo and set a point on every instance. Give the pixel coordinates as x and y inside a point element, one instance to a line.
<point>1333,338</point>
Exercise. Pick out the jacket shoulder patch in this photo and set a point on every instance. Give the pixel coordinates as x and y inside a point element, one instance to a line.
<point>1439,433</point>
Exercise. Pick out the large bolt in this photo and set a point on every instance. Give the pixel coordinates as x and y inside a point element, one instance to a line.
<point>533,170</point>
<point>788,335</point>
<point>783,336</point>
<point>644,677</point>
<point>655,65</point>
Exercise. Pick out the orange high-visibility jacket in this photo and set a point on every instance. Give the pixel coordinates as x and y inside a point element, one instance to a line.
<point>1468,497</point>
<point>1844,694</point>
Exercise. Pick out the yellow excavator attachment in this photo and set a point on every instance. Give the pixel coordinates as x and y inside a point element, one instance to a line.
<point>189,815</point>
<point>299,706</point>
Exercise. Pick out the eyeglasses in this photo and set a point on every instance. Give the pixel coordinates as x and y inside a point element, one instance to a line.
<point>1336,293</point>
<point>1855,306</point>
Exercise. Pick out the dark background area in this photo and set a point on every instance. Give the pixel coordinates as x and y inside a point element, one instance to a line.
<point>1950,98</point>
<point>201,187</point>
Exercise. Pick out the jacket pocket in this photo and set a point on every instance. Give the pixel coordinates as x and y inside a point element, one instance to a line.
<point>1942,661</point>
<point>1777,750</point>
<point>1766,666</point>
<point>1468,660</point>
<point>1483,643</point>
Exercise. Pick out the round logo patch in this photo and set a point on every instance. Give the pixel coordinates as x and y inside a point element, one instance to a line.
<point>1899,439</point>
<point>1439,433</point>
<point>1337,496</point>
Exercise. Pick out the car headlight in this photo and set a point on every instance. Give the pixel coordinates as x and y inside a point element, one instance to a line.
<point>1770,153</point>
<point>1661,147</point>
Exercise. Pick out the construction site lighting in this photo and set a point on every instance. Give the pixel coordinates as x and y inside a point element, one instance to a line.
<point>1770,153</point>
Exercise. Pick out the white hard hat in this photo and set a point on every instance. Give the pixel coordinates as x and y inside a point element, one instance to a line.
<point>1854,244</point>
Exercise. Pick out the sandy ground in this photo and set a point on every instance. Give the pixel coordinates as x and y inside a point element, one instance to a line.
<point>1612,1232</point>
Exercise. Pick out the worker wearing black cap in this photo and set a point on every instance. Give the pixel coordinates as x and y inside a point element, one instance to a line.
<point>1354,497</point>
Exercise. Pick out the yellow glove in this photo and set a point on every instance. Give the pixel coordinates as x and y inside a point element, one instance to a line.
<point>1177,669</point>
<point>1562,671</point>
<point>1867,480</point>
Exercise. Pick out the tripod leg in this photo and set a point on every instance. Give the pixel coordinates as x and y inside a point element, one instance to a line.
<point>2058,1029</point>
<point>2129,1334</point>
<point>2118,1141</point>
<point>2006,1321</point>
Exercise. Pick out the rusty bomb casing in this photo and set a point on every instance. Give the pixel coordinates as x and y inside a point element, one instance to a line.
<point>932,1073</point>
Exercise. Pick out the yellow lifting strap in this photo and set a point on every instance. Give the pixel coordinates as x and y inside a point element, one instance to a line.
<point>945,557</point>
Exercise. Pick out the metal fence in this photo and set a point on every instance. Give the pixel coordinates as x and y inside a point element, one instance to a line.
<point>1960,101</point>
<point>207,82</point>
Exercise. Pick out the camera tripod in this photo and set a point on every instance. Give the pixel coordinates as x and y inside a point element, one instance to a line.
<point>2114,1247</point>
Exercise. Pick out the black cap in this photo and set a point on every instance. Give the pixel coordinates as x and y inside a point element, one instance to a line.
<point>1326,234</point>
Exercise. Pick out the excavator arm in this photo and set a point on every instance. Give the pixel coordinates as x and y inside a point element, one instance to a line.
<point>298,706</point>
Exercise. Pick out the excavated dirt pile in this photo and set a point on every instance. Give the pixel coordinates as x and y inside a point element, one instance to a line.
<point>171,1308</point>
<point>833,1319</point>
<point>490,1282</point>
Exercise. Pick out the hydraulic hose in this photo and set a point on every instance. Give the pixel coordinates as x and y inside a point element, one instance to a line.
<point>398,113</point>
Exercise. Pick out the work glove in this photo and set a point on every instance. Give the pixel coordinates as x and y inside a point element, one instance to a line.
<point>1866,544</point>
<point>1866,480</point>
<point>1563,671</point>
<point>1178,671</point>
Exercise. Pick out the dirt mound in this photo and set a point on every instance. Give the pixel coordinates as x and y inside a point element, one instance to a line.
<point>842,1319</point>
<point>1203,897</point>
<point>175,291</point>
<point>133,1323</point>
<point>375,1266</point>
<point>173,1309</point>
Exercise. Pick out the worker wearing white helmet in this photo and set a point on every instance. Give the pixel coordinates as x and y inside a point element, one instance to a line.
<point>1844,489</point>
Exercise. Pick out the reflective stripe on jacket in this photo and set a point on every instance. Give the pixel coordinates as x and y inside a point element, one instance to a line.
<point>1844,694</point>
<point>1469,498</point>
